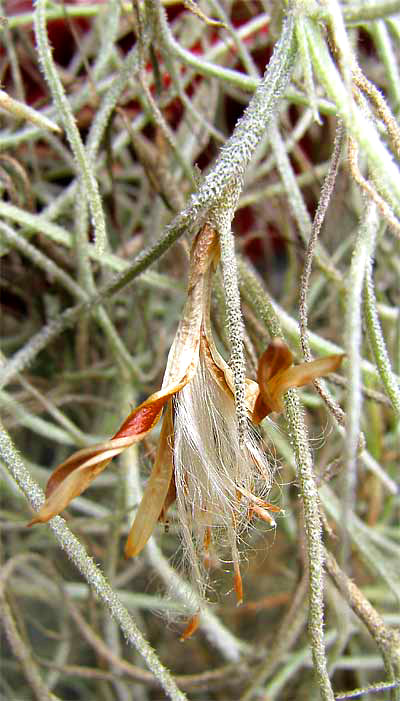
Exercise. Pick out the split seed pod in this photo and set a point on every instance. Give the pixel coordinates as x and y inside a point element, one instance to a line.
<point>218,484</point>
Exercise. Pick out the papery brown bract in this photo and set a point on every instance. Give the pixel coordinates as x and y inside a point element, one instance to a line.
<point>277,374</point>
<point>74,475</point>
<point>157,489</point>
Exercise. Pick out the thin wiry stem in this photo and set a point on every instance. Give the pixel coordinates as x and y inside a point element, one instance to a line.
<point>26,355</point>
<point>384,208</point>
<point>354,13</point>
<point>65,112</point>
<point>312,520</point>
<point>133,672</point>
<point>41,260</point>
<point>76,434</point>
<point>369,689</point>
<point>223,217</point>
<point>385,171</point>
<point>230,165</point>
<point>23,653</point>
<point>277,320</point>
<point>387,54</point>
<point>289,631</point>
<point>297,204</point>
<point>341,41</point>
<point>109,102</point>
<point>245,56</point>
<point>218,635</point>
<point>363,249</point>
<point>389,380</point>
<point>51,13</point>
<point>387,639</point>
<point>382,107</point>
<point>39,224</point>
<point>307,68</point>
<point>205,67</point>
<point>255,294</point>
<point>90,572</point>
<point>370,10</point>
<point>319,218</point>
<point>236,154</point>
<point>85,273</point>
<point>9,45</point>
<point>304,465</point>
<point>21,111</point>
<point>371,548</point>
<point>35,423</point>
<point>193,78</point>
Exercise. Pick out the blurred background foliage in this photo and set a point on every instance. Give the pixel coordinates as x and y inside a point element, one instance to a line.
<point>153,110</point>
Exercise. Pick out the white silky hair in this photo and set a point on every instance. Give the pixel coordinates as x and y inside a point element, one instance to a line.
<point>211,468</point>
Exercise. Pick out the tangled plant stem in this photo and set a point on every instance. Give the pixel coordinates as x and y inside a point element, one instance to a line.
<point>145,99</point>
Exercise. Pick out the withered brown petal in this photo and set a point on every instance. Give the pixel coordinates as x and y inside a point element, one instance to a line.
<point>260,410</point>
<point>155,493</point>
<point>74,462</point>
<point>70,488</point>
<point>184,352</point>
<point>303,374</point>
<point>281,375</point>
<point>70,480</point>
<point>73,476</point>
<point>142,419</point>
<point>276,357</point>
<point>216,365</point>
<point>169,500</point>
<point>271,367</point>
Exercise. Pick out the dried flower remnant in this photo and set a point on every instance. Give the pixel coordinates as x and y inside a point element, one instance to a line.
<point>276,374</point>
<point>217,484</point>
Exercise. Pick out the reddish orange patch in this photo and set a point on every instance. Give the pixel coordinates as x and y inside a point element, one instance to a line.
<point>191,627</point>
<point>260,411</point>
<point>238,584</point>
<point>142,419</point>
<point>207,538</point>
